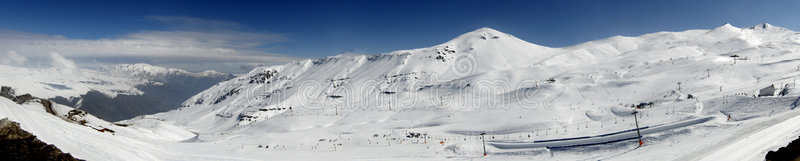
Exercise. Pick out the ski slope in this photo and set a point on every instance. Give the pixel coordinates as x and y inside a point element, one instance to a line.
<point>597,139</point>
<point>756,145</point>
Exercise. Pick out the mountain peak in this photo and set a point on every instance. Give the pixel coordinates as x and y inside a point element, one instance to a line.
<point>482,35</point>
<point>725,29</point>
<point>761,26</point>
<point>727,26</point>
<point>488,30</point>
<point>487,33</point>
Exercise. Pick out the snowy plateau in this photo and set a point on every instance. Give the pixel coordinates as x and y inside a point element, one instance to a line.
<point>726,93</point>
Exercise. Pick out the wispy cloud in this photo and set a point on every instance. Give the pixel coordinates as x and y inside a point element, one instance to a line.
<point>12,58</point>
<point>219,45</point>
<point>64,65</point>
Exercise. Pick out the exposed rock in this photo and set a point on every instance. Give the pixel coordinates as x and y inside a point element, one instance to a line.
<point>47,105</point>
<point>263,77</point>
<point>18,144</point>
<point>7,92</point>
<point>230,93</point>
<point>25,97</point>
<point>790,152</point>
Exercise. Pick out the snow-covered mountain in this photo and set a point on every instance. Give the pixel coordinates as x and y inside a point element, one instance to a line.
<point>489,81</point>
<point>695,94</point>
<point>147,71</point>
<point>115,93</point>
<point>486,68</point>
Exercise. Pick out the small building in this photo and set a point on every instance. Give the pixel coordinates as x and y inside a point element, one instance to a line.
<point>768,91</point>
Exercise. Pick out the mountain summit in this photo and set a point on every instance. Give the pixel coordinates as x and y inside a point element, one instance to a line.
<point>489,35</point>
<point>761,26</point>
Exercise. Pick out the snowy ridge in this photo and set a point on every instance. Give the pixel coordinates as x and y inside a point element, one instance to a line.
<point>147,70</point>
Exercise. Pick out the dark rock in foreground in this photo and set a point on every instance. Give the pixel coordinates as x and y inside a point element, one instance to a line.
<point>790,152</point>
<point>18,144</point>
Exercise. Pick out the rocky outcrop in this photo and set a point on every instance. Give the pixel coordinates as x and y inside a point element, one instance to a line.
<point>73,116</point>
<point>18,144</point>
<point>789,153</point>
<point>8,92</point>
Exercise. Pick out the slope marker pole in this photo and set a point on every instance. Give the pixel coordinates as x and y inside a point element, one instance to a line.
<point>637,127</point>
<point>484,143</point>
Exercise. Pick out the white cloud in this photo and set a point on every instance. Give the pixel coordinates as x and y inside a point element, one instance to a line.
<point>12,58</point>
<point>249,67</point>
<point>220,43</point>
<point>64,65</point>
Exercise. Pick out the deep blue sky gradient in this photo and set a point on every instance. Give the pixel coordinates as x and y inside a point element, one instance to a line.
<point>325,28</point>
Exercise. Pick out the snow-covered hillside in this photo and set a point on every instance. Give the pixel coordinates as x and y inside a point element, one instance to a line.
<point>489,81</point>
<point>486,71</point>
<point>697,93</point>
<point>88,137</point>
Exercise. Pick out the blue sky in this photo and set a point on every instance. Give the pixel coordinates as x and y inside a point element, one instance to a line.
<point>310,29</point>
